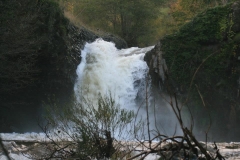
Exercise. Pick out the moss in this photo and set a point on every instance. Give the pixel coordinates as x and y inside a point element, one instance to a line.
<point>236,38</point>
<point>208,36</point>
<point>192,44</point>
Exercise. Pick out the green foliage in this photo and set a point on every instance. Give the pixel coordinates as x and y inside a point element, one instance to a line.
<point>237,38</point>
<point>98,127</point>
<point>203,53</point>
<point>132,20</point>
<point>139,22</point>
<point>190,45</point>
<point>94,127</point>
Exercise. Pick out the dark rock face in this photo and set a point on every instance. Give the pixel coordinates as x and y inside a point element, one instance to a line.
<point>205,53</point>
<point>157,65</point>
<point>119,42</point>
<point>39,53</point>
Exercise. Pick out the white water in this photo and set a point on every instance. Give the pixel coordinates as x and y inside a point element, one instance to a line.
<point>13,144</point>
<point>106,70</point>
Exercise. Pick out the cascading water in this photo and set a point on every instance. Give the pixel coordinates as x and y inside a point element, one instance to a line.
<point>106,70</point>
<point>122,73</point>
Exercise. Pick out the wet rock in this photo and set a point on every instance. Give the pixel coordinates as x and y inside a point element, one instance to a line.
<point>157,65</point>
<point>119,42</point>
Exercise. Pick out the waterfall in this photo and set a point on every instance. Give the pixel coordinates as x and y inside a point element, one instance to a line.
<point>122,73</point>
<point>106,70</point>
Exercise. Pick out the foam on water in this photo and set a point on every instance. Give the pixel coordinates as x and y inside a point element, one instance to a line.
<point>24,137</point>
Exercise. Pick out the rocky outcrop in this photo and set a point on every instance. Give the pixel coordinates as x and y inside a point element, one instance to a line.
<point>157,65</point>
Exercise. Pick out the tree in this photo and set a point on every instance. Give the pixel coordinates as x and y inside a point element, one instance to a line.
<point>184,10</point>
<point>129,19</point>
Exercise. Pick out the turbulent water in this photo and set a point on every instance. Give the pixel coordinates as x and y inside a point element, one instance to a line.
<point>106,70</point>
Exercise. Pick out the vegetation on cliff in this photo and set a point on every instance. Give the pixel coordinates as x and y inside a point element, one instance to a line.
<point>203,61</point>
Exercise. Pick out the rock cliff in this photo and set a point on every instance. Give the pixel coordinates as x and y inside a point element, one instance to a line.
<point>39,53</point>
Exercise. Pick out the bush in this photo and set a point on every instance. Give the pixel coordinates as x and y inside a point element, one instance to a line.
<point>92,130</point>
